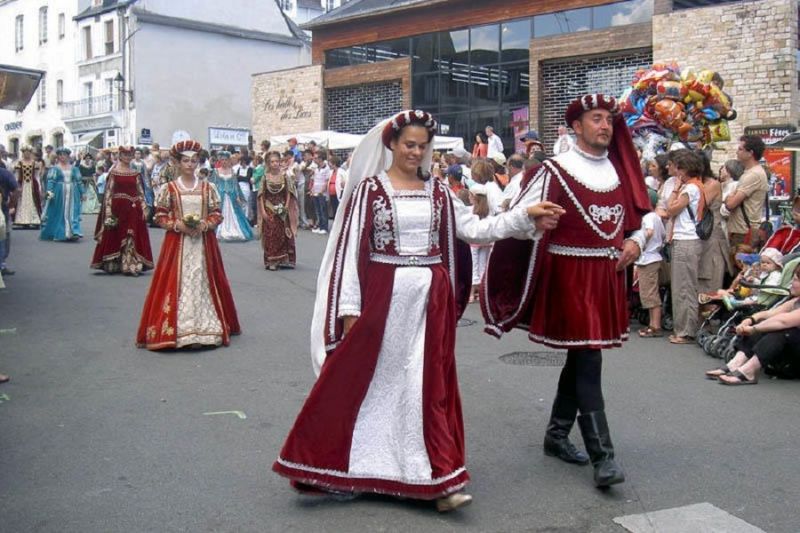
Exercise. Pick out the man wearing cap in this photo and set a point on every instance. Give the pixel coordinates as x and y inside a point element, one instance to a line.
<point>567,289</point>
<point>495,143</point>
<point>462,159</point>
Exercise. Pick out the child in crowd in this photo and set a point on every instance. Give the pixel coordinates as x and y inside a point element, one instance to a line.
<point>480,252</point>
<point>648,267</point>
<point>766,273</point>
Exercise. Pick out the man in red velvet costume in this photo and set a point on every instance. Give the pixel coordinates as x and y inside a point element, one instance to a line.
<point>567,287</point>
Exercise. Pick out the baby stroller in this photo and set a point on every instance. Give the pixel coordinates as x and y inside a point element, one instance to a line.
<point>722,344</point>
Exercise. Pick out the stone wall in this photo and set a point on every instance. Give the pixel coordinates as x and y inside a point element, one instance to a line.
<point>287,101</point>
<point>356,109</point>
<point>753,45</point>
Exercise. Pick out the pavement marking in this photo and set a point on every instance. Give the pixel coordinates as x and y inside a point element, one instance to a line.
<point>4,398</point>
<point>240,414</point>
<point>696,518</point>
<point>10,331</point>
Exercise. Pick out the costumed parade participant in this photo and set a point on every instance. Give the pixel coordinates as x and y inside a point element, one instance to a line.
<point>29,202</point>
<point>189,303</point>
<point>279,213</point>
<point>91,203</point>
<point>384,415</point>
<point>234,226</point>
<point>123,242</point>
<point>62,212</point>
<point>568,289</point>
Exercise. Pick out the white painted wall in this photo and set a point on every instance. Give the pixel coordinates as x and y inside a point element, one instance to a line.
<point>56,57</point>
<point>260,15</point>
<point>188,80</point>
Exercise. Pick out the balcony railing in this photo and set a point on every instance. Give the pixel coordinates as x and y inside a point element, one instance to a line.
<point>87,107</point>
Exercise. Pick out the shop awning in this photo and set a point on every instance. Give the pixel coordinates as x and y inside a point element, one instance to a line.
<point>86,139</point>
<point>17,86</point>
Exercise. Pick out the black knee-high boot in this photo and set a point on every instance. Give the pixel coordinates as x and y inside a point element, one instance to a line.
<point>594,429</point>
<point>556,438</point>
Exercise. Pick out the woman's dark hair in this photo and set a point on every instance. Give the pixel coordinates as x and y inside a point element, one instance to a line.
<point>480,205</point>
<point>707,172</point>
<point>483,137</point>
<point>689,161</point>
<point>661,161</point>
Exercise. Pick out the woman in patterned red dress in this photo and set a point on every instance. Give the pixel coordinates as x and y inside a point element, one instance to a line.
<point>279,212</point>
<point>123,243</point>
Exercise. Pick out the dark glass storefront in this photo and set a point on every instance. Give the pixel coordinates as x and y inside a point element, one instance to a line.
<point>478,76</point>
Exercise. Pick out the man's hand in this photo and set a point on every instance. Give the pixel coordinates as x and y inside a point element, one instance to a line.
<point>630,253</point>
<point>545,215</point>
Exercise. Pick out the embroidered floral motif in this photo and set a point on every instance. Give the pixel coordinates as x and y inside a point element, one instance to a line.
<point>151,333</point>
<point>166,308</point>
<point>166,329</point>
<point>605,213</point>
<point>436,222</point>
<point>382,231</point>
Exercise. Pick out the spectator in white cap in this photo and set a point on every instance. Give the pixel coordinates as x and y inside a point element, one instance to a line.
<point>495,143</point>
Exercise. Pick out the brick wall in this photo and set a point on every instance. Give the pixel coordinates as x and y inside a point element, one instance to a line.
<point>287,101</point>
<point>752,45</point>
<point>356,109</point>
<point>563,80</point>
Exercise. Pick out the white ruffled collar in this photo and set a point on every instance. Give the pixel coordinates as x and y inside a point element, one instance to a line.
<point>596,173</point>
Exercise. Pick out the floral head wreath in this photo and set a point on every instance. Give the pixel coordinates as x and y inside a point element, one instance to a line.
<point>588,102</point>
<point>408,118</point>
<point>187,147</point>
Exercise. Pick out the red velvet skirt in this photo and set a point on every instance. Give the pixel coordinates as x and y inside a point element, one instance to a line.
<point>317,452</point>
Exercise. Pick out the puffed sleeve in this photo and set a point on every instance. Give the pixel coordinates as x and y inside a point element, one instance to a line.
<point>214,216</point>
<point>164,209</point>
<point>350,295</point>
<point>513,223</point>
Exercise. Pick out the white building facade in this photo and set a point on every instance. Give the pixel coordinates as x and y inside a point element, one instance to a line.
<point>39,35</point>
<point>136,71</point>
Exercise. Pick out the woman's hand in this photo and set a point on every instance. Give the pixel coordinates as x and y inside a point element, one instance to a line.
<point>545,215</point>
<point>745,328</point>
<point>349,322</point>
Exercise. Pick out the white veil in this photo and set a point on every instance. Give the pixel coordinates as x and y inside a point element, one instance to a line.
<point>370,158</point>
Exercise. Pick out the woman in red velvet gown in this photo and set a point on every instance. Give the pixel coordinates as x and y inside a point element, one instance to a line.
<point>189,303</point>
<point>123,242</point>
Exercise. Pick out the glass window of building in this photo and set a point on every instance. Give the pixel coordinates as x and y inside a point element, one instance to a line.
<point>454,47</point>
<point>59,92</point>
<point>562,22</point>
<point>42,24</point>
<point>515,83</point>
<point>87,42</point>
<point>622,13</point>
<point>62,25</point>
<point>425,49</point>
<point>454,80</point>
<point>484,86</point>
<point>485,45</point>
<point>425,92</point>
<point>42,100</point>
<point>109,25</point>
<point>18,40</point>
<point>515,40</point>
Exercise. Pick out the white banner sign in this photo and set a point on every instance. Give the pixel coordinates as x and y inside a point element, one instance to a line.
<point>225,136</point>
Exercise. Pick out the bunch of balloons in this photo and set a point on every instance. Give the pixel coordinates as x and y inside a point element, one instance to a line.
<point>666,103</point>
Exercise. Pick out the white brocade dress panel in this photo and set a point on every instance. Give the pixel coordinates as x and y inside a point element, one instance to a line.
<point>388,440</point>
<point>26,209</point>
<point>198,322</point>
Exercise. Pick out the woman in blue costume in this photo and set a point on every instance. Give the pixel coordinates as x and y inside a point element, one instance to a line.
<point>234,226</point>
<point>62,213</point>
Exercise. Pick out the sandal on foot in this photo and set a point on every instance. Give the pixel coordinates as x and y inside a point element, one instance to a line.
<point>741,379</point>
<point>717,372</point>
<point>675,339</point>
<point>649,332</point>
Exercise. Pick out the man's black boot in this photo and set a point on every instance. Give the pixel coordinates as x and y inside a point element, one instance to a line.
<point>556,438</point>
<point>594,429</point>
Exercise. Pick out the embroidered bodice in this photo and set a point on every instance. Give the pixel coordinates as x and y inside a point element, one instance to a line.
<point>594,204</point>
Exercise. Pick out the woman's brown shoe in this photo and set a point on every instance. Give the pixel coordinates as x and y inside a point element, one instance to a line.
<point>453,502</point>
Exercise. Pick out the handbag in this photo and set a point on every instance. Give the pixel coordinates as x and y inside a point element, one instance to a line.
<point>666,252</point>
<point>705,227</point>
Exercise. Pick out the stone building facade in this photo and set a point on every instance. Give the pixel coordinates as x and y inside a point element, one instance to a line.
<point>753,45</point>
<point>287,101</point>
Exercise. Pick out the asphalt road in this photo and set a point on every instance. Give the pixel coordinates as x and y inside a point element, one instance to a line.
<point>98,436</point>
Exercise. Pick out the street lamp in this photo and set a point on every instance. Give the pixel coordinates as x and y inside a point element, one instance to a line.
<point>119,81</point>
